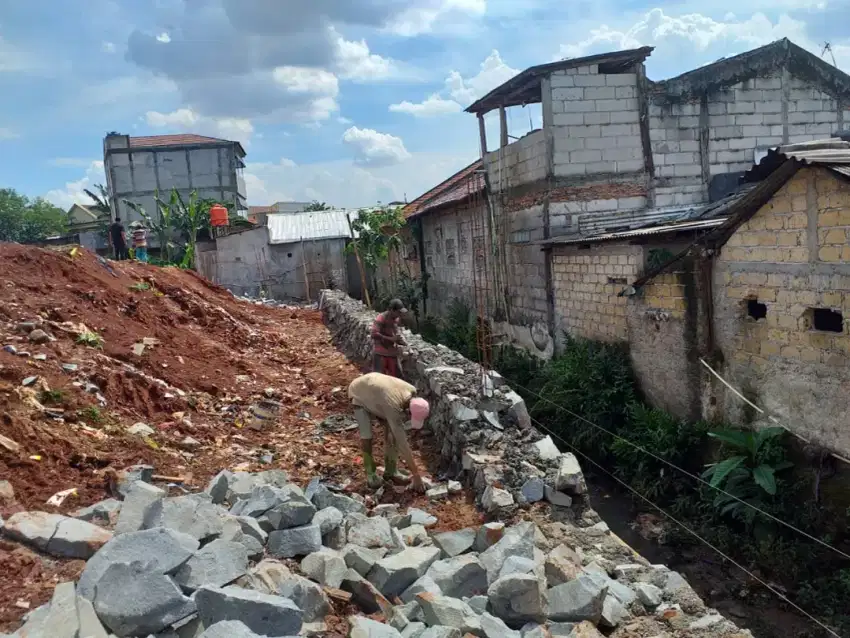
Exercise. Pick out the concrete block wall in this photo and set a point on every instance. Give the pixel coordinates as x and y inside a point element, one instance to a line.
<point>526,265</point>
<point>586,283</point>
<point>674,133</point>
<point>521,162</point>
<point>595,122</point>
<point>789,257</point>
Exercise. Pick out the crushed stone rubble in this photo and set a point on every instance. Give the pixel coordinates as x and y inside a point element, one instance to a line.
<point>256,555</point>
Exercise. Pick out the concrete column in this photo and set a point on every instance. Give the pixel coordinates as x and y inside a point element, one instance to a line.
<point>503,127</point>
<point>482,132</point>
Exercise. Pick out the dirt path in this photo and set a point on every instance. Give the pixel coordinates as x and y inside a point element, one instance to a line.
<point>212,357</point>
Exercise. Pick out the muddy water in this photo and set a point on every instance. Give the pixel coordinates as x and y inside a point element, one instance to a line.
<point>720,584</point>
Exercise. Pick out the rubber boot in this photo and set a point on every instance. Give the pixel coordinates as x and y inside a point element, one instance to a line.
<point>391,471</point>
<point>372,478</point>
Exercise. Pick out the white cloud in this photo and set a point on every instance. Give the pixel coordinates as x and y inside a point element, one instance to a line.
<point>493,73</point>
<point>70,162</point>
<point>432,106</point>
<point>372,148</point>
<point>73,191</point>
<point>163,37</point>
<point>356,62</point>
<point>107,47</point>
<point>307,80</point>
<point>188,121</point>
<point>692,36</point>
<point>459,91</point>
<point>8,134</point>
<point>434,15</point>
<point>346,184</point>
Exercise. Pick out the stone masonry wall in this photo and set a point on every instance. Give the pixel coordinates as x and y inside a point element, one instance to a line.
<point>486,433</point>
<point>787,262</point>
<point>489,440</point>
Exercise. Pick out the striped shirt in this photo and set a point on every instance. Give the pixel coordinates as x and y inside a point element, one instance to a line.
<point>384,326</point>
<point>140,238</point>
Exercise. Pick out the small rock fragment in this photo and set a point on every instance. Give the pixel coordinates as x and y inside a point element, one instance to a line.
<point>326,567</point>
<point>362,627</point>
<point>455,543</point>
<point>546,449</point>
<point>533,490</point>
<point>102,511</point>
<point>495,498</point>
<point>328,519</point>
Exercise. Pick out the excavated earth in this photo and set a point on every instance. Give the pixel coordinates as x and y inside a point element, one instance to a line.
<point>169,383</point>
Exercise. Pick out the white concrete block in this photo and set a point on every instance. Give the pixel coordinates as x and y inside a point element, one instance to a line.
<point>586,156</point>
<point>600,205</point>
<point>597,118</point>
<point>748,95</point>
<point>622,154</point>
<point>625,117</point>
<point>803,93</point>
<point>601,167</point>
<point>567,119</point>
<point>716,108</point>
<point>687,170</point>
<point>801,118</point>
<point>682,158</point>
<point>721,120</point>
<point>764,142</point>
<point>768,83</point>
<point>621,79</point>
<point>773,118</point>
<point>689,146</point>
<point>625,92</point>
<point>584,131</point>
<point>741,107</point>
<point>630,203</point>
<point>810,105</point>
<point>630,166</point>
<point>769,107</point>
<point>742,143</point>
<point>616,130</point>
<point>590,80</point>
<point>567,93</point>
<point>826,116</point>
<point>688,121</point>
<point>561,80</point>
<point>600,93</point>
<point>581,106</point>
<point>629,141</point>
<point>749,119</point>
<point>733,156</point>
<point>570,169</point>
<point>819,129</point>
<point>756,131</point>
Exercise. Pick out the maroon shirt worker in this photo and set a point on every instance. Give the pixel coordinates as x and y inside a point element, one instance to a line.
<point>386,340</point>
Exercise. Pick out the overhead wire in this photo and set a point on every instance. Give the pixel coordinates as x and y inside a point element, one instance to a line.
<point>693,533</point>
<point>679,469</point>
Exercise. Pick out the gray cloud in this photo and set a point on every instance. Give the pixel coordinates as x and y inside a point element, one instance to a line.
<point>222,53</point>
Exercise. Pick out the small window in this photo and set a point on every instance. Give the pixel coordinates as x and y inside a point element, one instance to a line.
<point>827,320</point>
<point>756,310</point>
<point>289,255</point>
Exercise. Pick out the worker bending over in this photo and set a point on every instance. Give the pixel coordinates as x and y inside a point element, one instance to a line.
<point>389,399</point>
<point>386,339</point>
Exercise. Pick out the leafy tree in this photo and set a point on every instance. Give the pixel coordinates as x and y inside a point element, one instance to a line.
<point>100,199</point>
<point>316,205</point>
<point>377,232</point>
<point>24,220</point>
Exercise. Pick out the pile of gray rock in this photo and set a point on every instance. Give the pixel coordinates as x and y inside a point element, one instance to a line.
<point>487,435</point>
<point>255,555</point>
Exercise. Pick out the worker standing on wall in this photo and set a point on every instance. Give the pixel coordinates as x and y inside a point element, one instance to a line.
<point>390,400</point>
<point>386,339</point>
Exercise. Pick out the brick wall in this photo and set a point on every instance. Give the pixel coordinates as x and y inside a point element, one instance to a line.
<point>586,283</point>
<point>790,260</point>
<point>595,122</point>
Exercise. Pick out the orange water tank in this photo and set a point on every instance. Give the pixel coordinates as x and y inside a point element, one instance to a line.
<point>218,215</point>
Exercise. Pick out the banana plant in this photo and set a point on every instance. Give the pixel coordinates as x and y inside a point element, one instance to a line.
<point>190,220</point>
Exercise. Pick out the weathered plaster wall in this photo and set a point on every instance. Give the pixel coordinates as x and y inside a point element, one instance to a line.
<point>246,264</point>
<point>791,257</point>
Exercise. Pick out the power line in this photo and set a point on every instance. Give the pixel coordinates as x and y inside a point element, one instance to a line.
<point>682,470</point>
<point>696,535</point>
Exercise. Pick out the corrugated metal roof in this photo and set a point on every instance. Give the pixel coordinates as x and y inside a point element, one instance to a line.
<point>286,228</point>
<point>642,232</point>
<point>833,153</point>
<point>148,141</point>
<point>463,183</point>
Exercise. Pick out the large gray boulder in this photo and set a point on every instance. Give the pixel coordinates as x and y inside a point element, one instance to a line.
<point>362,627</point>
<point>460,576</point>
<point>393,574</point>
<point>449,612</point>
<point>493,627</point>
<point>424,585</point>
<point>371,532</point>
<point>56,534</point>
<point>102,511</point>
<point>325,498</point>
<point>577,600</point>
<point>518,599</point>
<point>139,498</point>
<point>294,512</point>
<point>262,499</point>
<point>60,619</point>
<point>518,541</point>
<point>217,564</point>
<point>262,613</point>
<point>191,514</point>
<point>296,541</point>
<point>307,595</point>
<point>328,519</point>
<point>364,594</point>
<point>162,551</point>
<point>455,543</point>
<point>131,601</point>
<point>361,559</point>
<point>325,566</point>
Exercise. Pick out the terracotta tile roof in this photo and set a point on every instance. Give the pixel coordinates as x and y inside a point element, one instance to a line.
<point>454,189</point>
<point>258,210</point>
<point>174,140</point>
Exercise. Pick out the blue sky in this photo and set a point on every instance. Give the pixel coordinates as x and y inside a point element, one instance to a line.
<point>348,102</point>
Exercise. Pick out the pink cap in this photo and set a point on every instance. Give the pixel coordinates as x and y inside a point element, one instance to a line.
<point>419,410</point>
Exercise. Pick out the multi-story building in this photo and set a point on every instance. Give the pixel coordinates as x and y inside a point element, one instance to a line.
<point>138,167</point>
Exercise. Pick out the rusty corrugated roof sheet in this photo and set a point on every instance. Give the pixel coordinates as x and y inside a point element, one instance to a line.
<point>147,141</point>
<point>456,188</point>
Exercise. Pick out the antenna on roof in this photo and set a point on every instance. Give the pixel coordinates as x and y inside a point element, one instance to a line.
<point>828,47</point>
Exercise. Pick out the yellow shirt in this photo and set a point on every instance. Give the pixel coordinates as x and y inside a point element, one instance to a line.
<point>383,396</point>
